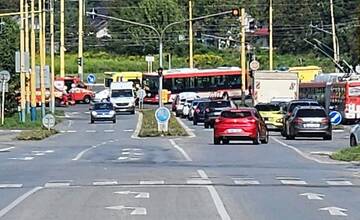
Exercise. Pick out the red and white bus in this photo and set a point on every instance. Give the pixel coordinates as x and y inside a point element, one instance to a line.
<point>221,82</point>
<point>344,96</point>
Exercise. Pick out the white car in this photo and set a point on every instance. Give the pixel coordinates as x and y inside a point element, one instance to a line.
<point>355,136</point>
<point>186,108</point>
<point>180,100</point>
<point>102,95</point>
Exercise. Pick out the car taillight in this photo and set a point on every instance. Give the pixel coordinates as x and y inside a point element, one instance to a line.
<point>325,121</point>
<point>298,121</point>
<point>217,120</point>
<point>207,110</point>
<point>197,110</point>
<point>252,120</point>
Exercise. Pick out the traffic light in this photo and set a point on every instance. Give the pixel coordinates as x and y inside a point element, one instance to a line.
<point>79,61</point>
<point>235,12</point>
<point>160,71</point>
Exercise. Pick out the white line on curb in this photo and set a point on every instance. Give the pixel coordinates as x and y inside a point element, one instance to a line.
<point>304,155</point>
<point>12,205</point>
<point>182,151</point>
<point>187,129</point>
<point>135,135</point>
<point>83,152</point>
<point>215,197</point>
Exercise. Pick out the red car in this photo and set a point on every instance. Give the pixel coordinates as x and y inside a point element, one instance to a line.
<point>240,124</point>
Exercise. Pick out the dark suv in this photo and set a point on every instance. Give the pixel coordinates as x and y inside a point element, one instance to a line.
<point>289,108</point>
<point>214,109</point>
<point>199,112</point>
<point>309,121</point>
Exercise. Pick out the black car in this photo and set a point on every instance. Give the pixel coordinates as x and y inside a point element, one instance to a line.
<point>289,108</point>
<point>199,113</point>
<point>103,111</point>
<point>309,121</point>
<point>214,109</point>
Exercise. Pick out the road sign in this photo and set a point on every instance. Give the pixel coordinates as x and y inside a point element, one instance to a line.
<point>91,78</point>
<point>48,121</point>
<point>26,59</point>
<point>4,76</point>
<point>149,59</point>
<point>254,65</point>
<point>162,115</point>
<point>335,117</point>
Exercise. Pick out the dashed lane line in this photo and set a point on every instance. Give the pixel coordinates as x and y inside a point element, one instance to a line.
<point>339,183</point>
<point>152,182</point>
<point>56,184</point>
<point>180,149</point>
<point>10,185</point>
<point>105,183</point>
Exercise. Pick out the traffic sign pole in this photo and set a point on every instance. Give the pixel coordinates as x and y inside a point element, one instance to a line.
<point>3,102</point>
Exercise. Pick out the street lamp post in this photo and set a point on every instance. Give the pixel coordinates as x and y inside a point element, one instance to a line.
<point>160,34</point>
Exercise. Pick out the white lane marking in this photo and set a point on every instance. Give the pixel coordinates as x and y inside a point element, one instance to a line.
<point>138,195</point>
<point>304,155</point>
<point>22,158</point>
<point>70,123</point>
<point>79,155</point>
<point>198,182</point>
<point>123,158</point>
<point>6,149</point>
<point>133,149</point>
<point>135,135</point>
<point>187,129</point>
<point>90,131</point>
<point>182,151</point>
<point>10,185</point>
<point>105,183</point>
<point>109,131</point>
<point>152,182</point>
<point>216,198</point>
<point>129,130</point>
<point>245,181</point>
<point>17,201</point>
<point>56,184</point>
<point>339,183</point>
<point>313,196</point>
<point>293,182</point>
<point>71,131</point>
<point>134,210</point>
<point>125,153</point>
<point>335,211</point>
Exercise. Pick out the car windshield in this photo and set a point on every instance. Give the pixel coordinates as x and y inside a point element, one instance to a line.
<point>267,108</point>
<point>219,104</point>
<point>230,114</point>
<point>103,106</point>
<point>124,93</point>
<point>309,113</point>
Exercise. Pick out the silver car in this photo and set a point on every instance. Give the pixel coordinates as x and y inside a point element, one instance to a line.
<point>355,136</point>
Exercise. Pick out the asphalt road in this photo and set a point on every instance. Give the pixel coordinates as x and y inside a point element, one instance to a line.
<point>101,171</point>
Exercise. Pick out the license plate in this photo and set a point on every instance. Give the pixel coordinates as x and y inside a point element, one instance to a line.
<point>311,125</point>
<point>234,130</point>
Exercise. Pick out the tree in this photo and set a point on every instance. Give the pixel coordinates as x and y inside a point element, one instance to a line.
<point>9,44</point>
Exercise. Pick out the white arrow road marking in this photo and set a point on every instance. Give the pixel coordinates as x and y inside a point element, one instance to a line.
<point>134,210</point>
<point>138,195</point>
<point>335,211</point>
<point>22,158</point>
<point>313,196</point>
<point>83,152</point>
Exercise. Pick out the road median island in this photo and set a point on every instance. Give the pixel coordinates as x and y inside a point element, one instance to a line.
<point>349,154</point>
<point>35,135</point>
<point>149,126</point>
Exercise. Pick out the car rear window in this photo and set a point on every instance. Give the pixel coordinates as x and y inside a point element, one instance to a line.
<point>267,108</point>
<point>103,106</point>
<point>229,114</point>
<point>219,104</point>
<point>202,105</point>
<point>294,105</point>
<point>309,113</point>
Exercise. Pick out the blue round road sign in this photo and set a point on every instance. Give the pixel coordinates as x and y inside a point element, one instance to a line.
<point>162,114</point>
<point>91,78</point>
<point>335,117</point>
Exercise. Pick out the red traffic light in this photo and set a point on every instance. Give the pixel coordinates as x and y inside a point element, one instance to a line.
<point>235,12</point>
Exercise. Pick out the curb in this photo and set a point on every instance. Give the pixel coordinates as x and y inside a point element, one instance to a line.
<point>135,135</point>
<point>186,128</point>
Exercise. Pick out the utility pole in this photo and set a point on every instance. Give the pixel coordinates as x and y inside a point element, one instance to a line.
<point>22,62</point>
<point>42,56</point>
<point>33,64</point>
<point>80,52</point>
<point>52,52</point>
<point>271,61</point>
<point>191,49</point>
<point>27,51</point>
<point>243,56</point>
<point>336,52</point>
<point>62,38</point>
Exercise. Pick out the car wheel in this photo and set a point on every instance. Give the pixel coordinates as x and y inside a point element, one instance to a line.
<point>177,114</point>
<point>206,125</point>
<point>257,141</point>
<point>114,121</point>
<point>226,141</point>
<point>194,122</point>
<point>353,142</point>
<point>216,141</point>
<point>266,139</point>
<point>92,121</point>
<point>87,100</point>
<point>132,112</point>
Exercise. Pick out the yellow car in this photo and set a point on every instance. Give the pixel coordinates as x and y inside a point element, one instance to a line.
<point>272,115</point>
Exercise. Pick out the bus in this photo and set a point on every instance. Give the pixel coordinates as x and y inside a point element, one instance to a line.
<point>222,82</point>
<point>306,73</point>
<point>344,96</point>
<point>110,77</point>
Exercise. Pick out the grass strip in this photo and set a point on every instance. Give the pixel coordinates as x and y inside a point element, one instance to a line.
<point>347,154</point>
<point>149,127</point>
<point>35,135</point>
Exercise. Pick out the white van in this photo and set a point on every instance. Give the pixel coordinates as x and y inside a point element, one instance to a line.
<point>122,96</point>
